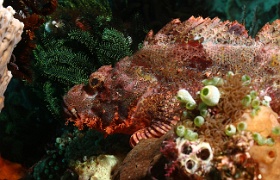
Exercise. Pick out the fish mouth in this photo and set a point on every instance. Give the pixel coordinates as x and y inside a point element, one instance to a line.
<point>69,113</point>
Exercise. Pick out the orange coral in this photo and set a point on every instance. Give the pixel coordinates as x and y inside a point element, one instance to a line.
<point>137,96</point>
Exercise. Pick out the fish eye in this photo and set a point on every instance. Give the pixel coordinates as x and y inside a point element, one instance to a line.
<point>94,83</point>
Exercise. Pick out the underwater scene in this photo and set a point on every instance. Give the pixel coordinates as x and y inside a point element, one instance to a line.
<point>139,90</point>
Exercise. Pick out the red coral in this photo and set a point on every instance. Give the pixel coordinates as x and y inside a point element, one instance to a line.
<point>137,96</point>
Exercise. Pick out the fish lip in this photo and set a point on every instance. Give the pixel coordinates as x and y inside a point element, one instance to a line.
<point>67,113</point>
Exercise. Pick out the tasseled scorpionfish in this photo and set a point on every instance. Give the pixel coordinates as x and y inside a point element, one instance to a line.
<point>138,95</point>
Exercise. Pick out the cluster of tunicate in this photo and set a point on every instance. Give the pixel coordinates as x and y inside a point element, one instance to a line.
<point>54,164</point>
<point>50,167</point>
<point>194,156</point>
<point>201,145</point>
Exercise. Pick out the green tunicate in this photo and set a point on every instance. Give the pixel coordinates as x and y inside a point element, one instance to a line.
<point>246,79</point>
<point>56,168</point>
<point>198,121</point>
<point>269,141</point>
<point>190,135</point>
<point>203,112</point>
<point>230,130</point>
<point>255,103</point>
<point>61,146</point>
<point>180,130</point>
<point>184,115</point>
<point>246,101</point>
<point>46,171</point>
<point>202,106</point>
<point>258,138</point>
<point>255,111</point>
<point>215,81</point>
<point>241,126</point>
<point>58,140</point>
<point>185,97</point>
<point>210,95</point>
<point>276,130</point>
<point>230,73</point>
<point>190,106</point>
<point>253,94</point>
<point>51,163</point>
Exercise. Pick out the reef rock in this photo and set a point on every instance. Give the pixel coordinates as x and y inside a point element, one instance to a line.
<point>137,95</point>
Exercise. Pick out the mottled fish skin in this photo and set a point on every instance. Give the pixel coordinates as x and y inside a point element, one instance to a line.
<point>137,96</point>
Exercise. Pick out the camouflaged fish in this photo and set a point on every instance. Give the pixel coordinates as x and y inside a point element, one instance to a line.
<point>138,95</point>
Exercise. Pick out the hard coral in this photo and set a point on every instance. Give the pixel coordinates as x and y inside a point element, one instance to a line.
<point>11,30</point>
<point>100,167</point>
<point>137,96</point>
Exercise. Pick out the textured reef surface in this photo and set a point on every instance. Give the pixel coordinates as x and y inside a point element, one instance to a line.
<point>195,99</point>
<point>138,95</point>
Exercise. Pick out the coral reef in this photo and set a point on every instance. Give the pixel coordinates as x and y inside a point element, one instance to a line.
<point>237,139</point>
<point>137,96</point>
<point>197,100</point>
<point>11,30</point>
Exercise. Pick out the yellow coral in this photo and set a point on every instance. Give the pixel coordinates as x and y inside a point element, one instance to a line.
<point>96,168</point>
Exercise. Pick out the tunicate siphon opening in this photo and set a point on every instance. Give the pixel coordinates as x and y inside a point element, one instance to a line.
<point>190,164</point>
<point>187,149</point>
<point>205,91</point>
<point>203,154</point>
<point>271,154</point>
<point>94,83</point>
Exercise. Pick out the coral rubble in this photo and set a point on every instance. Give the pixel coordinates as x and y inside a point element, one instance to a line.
<point>137,95</point>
